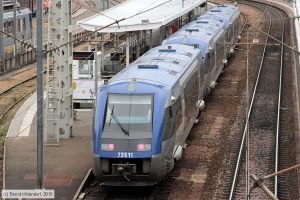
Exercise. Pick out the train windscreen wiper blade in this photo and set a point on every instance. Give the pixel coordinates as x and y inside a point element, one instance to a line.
<point>119,124</point>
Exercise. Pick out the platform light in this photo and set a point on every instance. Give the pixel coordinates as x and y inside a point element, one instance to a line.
<point>144,147</point>
<point>107,147</point>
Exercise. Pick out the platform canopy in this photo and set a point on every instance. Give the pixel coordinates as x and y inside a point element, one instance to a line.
<point>150,18</point>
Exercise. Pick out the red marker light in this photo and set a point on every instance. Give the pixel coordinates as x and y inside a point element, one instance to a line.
<point>141,147</point>
<point>111,147</point>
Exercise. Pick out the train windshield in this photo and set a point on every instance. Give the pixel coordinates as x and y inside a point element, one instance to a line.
<point>129,114</point>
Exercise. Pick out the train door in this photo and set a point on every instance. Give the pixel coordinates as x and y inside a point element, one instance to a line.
<point>220,56</point>
<point>201,78</point>
<point>177,110</point>
<point>229,34</point>
<point>214,65</point>
<point>191,94</point>
<point>183,117</point>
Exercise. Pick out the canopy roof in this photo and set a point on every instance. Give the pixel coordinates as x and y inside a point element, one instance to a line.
<point>163,12</point>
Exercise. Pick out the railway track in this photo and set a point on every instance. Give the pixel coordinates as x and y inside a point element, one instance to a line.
<point>264,114</point>
<point>16,93</point>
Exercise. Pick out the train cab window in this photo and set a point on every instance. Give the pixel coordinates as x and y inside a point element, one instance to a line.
<point>130,114</point>
<point>85,67</point>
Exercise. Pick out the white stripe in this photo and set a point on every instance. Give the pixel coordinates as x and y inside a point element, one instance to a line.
<point>27,120</point>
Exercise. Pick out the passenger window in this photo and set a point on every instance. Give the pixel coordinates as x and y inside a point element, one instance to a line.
<point>5,26</point>
<point>8,26</point>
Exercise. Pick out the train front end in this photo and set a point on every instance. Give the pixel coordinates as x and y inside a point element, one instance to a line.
<point>127,134</point>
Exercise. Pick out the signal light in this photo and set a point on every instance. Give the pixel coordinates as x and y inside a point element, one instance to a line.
<point>107,147</point>
<point>143,147</point>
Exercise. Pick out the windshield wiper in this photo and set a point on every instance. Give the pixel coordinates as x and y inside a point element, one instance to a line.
<point>119,124</point>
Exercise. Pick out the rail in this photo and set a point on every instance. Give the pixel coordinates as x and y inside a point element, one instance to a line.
<point>242,145</point>
<point>248,115</point>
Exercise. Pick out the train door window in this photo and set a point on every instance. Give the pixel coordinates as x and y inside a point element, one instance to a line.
<point>168,123</point>
<point>23,24</point>
<point>220,50</point>
<point>207,61</point>
<point>228,35</point>
<point>191,93</point>
<point>177,112</point>
<point>177,107</point>
<point>212,60</point>
<point>18,25</point>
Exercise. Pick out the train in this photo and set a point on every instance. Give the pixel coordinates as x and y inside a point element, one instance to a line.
<point>145,112</point>
<point>24,27</point>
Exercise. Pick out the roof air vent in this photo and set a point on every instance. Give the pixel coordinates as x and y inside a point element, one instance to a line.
<point>202,22</point>
<point>192,30</point>
<point>169,47</point>
<point>172,72</point>
<point>189,54</point>
<point>167,50</point>
<point>148,66</point>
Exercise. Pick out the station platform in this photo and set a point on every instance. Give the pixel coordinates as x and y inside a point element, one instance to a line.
<point>64,166</point>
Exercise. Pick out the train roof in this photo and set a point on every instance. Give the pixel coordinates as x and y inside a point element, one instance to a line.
<point>10,14</point>
<point>226,13</point>
<point>201,32</point>
<point>164,65</point>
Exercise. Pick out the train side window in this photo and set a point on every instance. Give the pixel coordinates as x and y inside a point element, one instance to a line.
<point>9,26</point>
<point>5,27</point>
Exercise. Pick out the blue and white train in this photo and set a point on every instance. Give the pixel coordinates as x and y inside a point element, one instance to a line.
<point>145,113</point>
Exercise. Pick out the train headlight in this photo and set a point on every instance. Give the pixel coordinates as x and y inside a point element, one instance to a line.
<point>107,147</point>
<point>143,147</point>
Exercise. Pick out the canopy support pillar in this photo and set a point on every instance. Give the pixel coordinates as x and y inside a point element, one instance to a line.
<point>127,49</point>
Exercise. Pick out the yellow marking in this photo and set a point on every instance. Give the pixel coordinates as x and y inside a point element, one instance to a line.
<point>74,85</point>
<point>10,50</point>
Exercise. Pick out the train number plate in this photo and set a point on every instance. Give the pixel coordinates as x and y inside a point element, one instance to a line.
<point>125,155</point>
